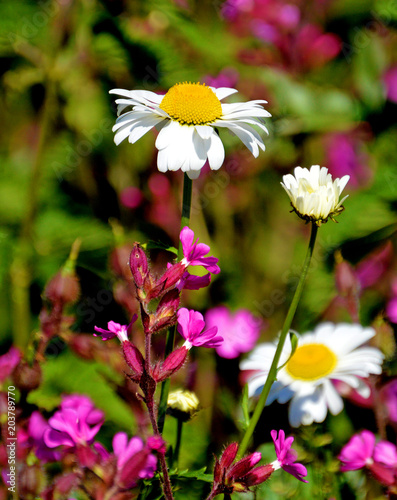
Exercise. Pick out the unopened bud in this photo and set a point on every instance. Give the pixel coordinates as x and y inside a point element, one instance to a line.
<point>345,278</point>
<point>182,405</point>
<point>167,281</point>
<point>258,475</point>
<point>26,377</point>
<point>165,315</point>
<point>134,360</point>
<point>139,265</point>
<point>172,364</point>
<point>63,288</point>
<point>31,481</point>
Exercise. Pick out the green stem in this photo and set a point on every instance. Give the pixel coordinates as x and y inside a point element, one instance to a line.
<point>175,455</point>
<point>272,376</point>
<point>21,267</point>
<point>169,345</point>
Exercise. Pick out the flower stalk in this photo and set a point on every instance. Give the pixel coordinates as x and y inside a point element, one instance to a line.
<point>169,345</point>
<point>272,376</point>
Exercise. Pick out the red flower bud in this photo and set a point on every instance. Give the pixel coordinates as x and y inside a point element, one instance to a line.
<point>139,265</point>
<point>165,314</point>
<point>167,281</point>
<point>64,287</point>
<point>258,475</point>
<point>26,377</point>
<point>172,364</point>
<point>130,473</point>
<point>134,360</point>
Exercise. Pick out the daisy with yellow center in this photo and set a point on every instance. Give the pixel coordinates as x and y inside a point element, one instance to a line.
<point>187,117</point>
<point>329,353</point>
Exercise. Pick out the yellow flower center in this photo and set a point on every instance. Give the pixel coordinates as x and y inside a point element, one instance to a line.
<point>191,104</point>
<point>311,362</point>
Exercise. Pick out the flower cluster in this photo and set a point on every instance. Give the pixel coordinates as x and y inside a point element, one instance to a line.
<point>306,378</point>
<point>232,477</point>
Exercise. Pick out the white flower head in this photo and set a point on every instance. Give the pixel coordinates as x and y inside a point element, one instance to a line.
<point>313,194</point>
<point>329,353</point>
<point>187,117</point>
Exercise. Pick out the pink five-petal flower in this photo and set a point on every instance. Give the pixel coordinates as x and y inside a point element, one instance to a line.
<point>37,427</point>
<point>73,426</point>
<point>191,325</point>
<point>115,330</point>
<point>194,252</point>
<point>286,456</point>
<point>134,460</point>
<point>358,452</point>
<point>240,330</point>
<point>386,454</point>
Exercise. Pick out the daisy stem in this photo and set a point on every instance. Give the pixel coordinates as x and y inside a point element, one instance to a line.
<point>169,344</point>
<point>272,376</point>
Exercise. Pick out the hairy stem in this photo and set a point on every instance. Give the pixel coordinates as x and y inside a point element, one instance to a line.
<point>272,376</point>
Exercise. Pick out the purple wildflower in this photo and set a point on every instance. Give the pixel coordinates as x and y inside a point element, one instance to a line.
<point>286,457</point>
<point>115,330</point>
<point>190,326</point>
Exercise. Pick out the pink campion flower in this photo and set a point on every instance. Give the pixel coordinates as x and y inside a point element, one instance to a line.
<point>385,453</point>
<point>36,428</point>
<point>8,362</point>
<point>191,325</point>
<point>115,330</point>
<point>191,282</point>
<point>194,252</point>
<point>74,425</point>
<point>346,155</point>
<point>228,77</point>
<point>286,457</point>
<point>134,460</point>
<point>240,330</point>
<point>358,452</point>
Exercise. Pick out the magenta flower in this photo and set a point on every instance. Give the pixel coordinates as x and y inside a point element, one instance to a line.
<point>134,460</point>
<point>386,454</point>
<point>191,325</point>
<point>391,308</point>
<point>115,330</point>
<point>240,330</point>
<point>36,428</point>
<point>286,456</point>
<point>76,423</point>
<point>358,452</point>
<point>8,362</point>
<point>194,252</point>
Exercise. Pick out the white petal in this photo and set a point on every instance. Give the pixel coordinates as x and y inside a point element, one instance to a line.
<point>223,92</point>
<point>216,152</point>
<point>167,134</point>
<point>334,401</point>
<point>142,128</point>
<point>204,131</point>
<point>122,134</point>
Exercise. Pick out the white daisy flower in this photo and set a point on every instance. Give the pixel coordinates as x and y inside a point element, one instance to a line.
<point>313,194</point>
<point>329,353</point>
<point>187,116</point>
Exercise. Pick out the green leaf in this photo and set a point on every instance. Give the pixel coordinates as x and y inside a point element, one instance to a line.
<point>67,374</point>
<point>196,474</point>
<point>158,245</point>
<point>294,344</point>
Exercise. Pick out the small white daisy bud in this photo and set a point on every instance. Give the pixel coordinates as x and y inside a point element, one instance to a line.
<point>314,195</point>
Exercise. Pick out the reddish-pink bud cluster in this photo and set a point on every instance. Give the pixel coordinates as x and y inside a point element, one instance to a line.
<point>229,478</point>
